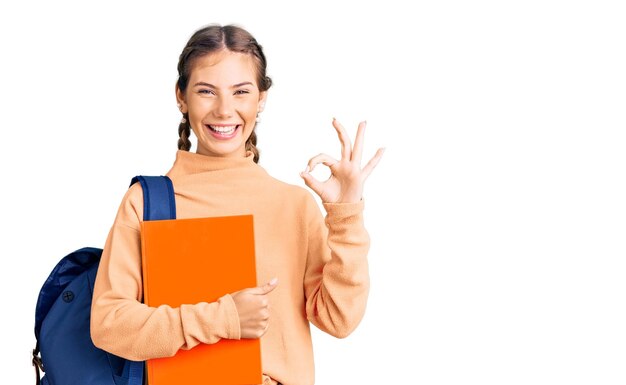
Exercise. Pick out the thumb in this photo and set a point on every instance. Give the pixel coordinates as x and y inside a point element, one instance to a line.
<point>310,181</point>
<point>267,288</point>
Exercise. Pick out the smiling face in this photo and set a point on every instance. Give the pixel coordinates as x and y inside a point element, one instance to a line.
<point>222,100</point>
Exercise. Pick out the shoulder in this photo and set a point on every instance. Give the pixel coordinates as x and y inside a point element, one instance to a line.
<point>292,192</point>
<point>295,199</point>
<point>130,211</point>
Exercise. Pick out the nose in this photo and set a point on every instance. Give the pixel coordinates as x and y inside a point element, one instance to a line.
<point>224,107</point>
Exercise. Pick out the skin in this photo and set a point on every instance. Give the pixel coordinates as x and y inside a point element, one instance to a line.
<point>345,184</point>
<point>223,91</point>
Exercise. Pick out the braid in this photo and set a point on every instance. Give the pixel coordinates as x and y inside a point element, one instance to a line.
<point>183,134</point>
<point>209,40</point>
<point>251,146</point>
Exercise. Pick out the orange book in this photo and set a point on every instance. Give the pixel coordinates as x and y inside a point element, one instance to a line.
<point>186,261</point>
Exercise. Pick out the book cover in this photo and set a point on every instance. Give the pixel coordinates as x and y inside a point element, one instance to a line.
<point>186,261</point>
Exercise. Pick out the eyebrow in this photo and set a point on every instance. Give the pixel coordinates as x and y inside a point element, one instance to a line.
<point>233,86</point>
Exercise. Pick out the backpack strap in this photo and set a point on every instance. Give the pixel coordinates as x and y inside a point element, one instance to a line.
<point>36,361</point>
<point>135,373</point>
<point>158,197</point>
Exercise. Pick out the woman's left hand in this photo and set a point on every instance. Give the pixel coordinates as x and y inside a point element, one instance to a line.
<point>345,184</point>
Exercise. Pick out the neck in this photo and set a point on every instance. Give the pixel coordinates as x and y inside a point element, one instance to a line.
<point>191,163</point>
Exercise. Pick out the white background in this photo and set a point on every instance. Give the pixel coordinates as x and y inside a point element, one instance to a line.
<point>497,214</point>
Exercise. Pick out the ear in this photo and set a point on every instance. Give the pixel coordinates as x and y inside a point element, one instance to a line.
<point>262,99</point>
<point>180,100</point>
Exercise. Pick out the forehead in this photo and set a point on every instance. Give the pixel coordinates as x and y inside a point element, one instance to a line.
<point>223,69</point>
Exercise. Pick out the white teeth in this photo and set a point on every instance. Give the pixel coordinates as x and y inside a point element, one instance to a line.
<point>223,129</point>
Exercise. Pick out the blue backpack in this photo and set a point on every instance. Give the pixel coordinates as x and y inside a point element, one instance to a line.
<point>68,356</point>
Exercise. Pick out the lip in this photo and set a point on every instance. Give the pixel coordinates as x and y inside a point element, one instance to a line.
<point>221,136</point>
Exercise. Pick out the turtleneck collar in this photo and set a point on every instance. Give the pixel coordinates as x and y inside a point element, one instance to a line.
<point>192,163</point>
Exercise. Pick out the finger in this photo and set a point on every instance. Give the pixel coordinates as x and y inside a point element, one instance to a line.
<point>357,151</point>
<point>346,146</point>
<point>369,167</point>
<point>313,183</point>
<point>321,158</point>
<point>268,287</point>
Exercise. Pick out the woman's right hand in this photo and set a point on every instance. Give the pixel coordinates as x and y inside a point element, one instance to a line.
<point>253,306</point>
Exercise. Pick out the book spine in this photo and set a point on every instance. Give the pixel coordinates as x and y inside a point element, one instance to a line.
<point>144,265</point>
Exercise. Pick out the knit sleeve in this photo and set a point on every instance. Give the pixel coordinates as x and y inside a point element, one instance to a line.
<point>336,280</point>
<point>122,325</point>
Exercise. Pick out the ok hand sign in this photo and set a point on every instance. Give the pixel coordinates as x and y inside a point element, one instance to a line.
<point>345,184</point>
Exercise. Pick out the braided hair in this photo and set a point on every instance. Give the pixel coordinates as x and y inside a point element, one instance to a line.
<point>211,39</point>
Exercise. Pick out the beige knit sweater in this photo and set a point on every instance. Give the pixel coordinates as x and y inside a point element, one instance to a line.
<point>320,263</point>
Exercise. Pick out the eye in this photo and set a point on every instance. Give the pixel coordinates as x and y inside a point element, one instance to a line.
<point>206,91</point>
<point>241,92</point>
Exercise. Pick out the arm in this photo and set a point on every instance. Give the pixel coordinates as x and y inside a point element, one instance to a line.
<point>122,325</point>
<point>336,281</point>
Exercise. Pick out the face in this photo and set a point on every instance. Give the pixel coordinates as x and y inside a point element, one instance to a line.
<point>222,100</point>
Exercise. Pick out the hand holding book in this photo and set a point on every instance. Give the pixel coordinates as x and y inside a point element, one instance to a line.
<point>254,309</point>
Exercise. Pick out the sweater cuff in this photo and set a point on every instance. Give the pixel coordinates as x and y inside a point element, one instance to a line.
<point>233,326</point>
<point>340,211</point>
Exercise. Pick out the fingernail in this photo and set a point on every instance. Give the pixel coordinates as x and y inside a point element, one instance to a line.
<point>273,281</point>
<point>306,169</point>
<point>334,119</point>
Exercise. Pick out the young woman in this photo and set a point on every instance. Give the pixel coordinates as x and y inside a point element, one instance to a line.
<point>315,268</point>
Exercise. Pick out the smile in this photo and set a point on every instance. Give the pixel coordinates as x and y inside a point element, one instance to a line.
<point>223,131</point>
